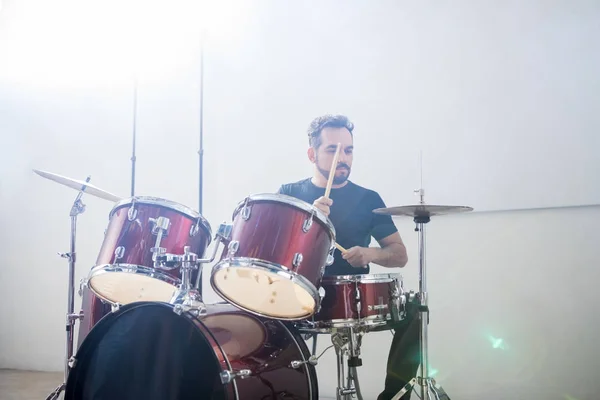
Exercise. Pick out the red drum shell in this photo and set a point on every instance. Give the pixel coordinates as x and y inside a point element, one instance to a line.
<point>137,238</point>
<point>339,305</point>
<point>268,230</point>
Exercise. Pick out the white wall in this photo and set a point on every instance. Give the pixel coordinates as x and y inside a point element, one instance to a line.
<point>527,277</point>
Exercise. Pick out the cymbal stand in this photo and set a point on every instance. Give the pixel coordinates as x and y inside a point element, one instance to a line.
<point>77,208</point>
<point>427,385</point>
<point>347,341</point>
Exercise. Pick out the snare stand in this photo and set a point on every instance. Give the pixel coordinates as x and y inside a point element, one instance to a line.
<point>77,208</point>
<point>353,339</point>
<point>427,384</point>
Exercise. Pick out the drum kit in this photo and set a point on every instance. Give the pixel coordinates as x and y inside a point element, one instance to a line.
<point>145,331</point>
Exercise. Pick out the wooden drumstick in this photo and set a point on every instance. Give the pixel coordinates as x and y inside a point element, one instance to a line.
<point>332,171</point>
<point>340,248</point>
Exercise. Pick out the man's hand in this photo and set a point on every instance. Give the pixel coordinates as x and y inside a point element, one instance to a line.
<point>358,256</point>
<point>323,204</point>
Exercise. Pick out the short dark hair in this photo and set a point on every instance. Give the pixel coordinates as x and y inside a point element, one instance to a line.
<point>326,121</point>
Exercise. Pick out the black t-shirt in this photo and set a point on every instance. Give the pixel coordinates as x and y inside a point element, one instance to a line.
<point>351,215</point>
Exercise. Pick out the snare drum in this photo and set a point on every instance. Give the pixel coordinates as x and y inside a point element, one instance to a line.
<point>360,301</point>
<point>140,228</point>
<point>275,257</point>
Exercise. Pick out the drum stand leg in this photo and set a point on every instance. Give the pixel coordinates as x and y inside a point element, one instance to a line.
<point>347,342</point>
<point>428,387</point>
<point>77,208</point>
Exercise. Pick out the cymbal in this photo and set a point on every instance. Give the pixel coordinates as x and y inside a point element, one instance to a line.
<point>422,210</point>
<point>77,185</point>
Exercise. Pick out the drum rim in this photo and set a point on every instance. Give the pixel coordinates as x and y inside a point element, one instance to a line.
<point>292,201</point>
<point>325,325</point>
<point>278,269</point>
<point>135,269</point>
<point>160,201</point>
<point>362,278</point>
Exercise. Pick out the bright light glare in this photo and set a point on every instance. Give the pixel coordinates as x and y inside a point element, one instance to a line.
<point>83,43</point>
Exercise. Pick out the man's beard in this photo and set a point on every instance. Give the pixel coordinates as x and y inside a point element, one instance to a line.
<point>337,180</point>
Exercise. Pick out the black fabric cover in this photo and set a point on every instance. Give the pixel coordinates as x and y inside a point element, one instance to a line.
<point>145,351</point>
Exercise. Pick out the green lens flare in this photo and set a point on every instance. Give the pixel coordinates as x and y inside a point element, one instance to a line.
<point>497,343</point>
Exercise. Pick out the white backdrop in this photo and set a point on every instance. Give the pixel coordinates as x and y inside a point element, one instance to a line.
<point>480,88</point>
<point>498,99</point>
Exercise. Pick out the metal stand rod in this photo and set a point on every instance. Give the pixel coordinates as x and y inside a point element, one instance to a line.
<point>201,145</point>
<point>77,208</point>
<point>340,373</point>
<point>201,132</point>
<point>133,157</point>
<point>347,341</point>
<point>426,384</point>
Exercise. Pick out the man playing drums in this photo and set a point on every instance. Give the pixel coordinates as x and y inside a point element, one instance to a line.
<point>349,207</point>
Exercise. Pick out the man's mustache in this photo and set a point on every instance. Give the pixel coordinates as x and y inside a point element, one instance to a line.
<point>342,165</point>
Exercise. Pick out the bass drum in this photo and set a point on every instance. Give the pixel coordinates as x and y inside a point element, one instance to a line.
<point>146,351</point>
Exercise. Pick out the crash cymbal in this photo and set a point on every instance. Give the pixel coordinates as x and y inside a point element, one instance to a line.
<point>422,210</point>
<point>77,185</point>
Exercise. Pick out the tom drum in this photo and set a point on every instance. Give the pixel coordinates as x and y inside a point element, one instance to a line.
<point>275,257</point>
<point>140,229</point>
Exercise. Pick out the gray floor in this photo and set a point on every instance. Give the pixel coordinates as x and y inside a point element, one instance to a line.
<point>31,385</point>
<point>28,385</point>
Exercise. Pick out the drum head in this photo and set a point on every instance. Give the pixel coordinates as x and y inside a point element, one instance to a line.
<point>146,351</point>
<point>126,283</point>
<point>265,290</point>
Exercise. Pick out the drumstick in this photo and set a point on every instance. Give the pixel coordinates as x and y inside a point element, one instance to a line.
<point>332,171</point>
<point>340,248</point>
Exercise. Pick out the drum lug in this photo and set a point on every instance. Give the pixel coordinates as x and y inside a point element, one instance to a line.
<point>330,257</point>
<point>114,307</point>
<point>195,228</point>
<point>297,260</point>
<point>83,282</point>
<point>232,248</point>
<point>132,212</point>
<point>119,252</point>
<point>228,376</point>
<point>308,222</point>
<point>246,210</point>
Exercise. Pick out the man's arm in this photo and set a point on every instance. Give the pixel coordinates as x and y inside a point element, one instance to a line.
<point>392,253</point>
